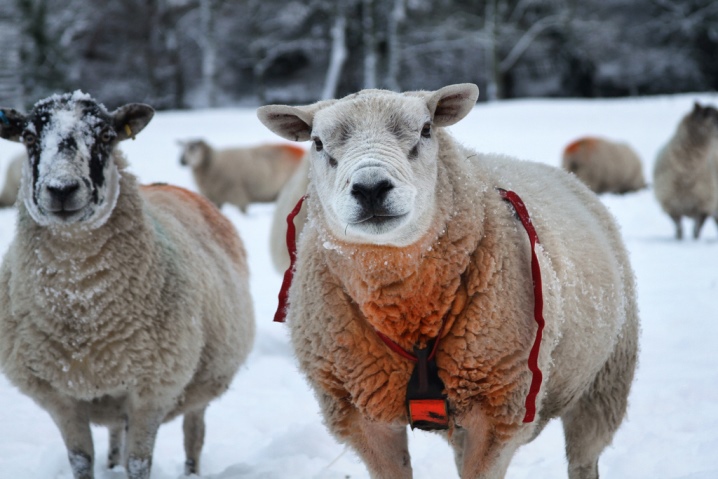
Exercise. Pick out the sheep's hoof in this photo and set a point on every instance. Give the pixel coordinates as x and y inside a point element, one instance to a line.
<point>190,467</point>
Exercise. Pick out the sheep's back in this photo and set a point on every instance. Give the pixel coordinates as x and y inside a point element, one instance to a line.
<point>12,181</point>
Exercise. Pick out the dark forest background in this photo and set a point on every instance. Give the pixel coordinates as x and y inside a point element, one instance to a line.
<point>202,53</point>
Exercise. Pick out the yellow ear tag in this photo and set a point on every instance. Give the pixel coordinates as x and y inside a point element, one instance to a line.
<point>128,130</point>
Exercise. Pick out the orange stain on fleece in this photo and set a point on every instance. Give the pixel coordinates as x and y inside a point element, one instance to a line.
<point>296,152</point>
<point>219,226</point>
<point>588,142</point>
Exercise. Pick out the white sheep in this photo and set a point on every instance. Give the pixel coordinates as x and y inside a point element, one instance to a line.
<point>408,238</point>
<point>8,195</point>
<point>120,304</point>
<point>604,166</point>
<point>685,175</point>
<point>294,189</point>
<point>240,176</point>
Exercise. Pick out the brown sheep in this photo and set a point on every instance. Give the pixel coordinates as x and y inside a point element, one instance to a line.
<point>240,176</point>
<point>685,176</point>
<point>604,166</point>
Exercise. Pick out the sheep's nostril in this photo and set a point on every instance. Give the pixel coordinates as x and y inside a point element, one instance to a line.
<point>371,194</point>
<point>62,192</point>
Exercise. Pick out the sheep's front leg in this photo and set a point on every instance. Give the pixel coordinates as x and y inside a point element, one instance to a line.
<point>73,420</point>
<point>480,453</point>
<point>143,424</point>
<point>114,454</point>
<point>383,447</point>
<point>193,428</point>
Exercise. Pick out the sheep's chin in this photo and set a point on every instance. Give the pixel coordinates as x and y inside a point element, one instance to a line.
<point>89,217</point>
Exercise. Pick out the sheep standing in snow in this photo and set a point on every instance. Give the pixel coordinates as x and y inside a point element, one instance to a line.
<point>604,166</point>
<point>240,176</point>
<point>408,240</point>
<point>685,176</point>
<point>295,188</point>
<point>8,195</point>
<point>119,304</point>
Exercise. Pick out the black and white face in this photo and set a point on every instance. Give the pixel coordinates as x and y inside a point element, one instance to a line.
<point>71,176</point>
<point>194,153</point>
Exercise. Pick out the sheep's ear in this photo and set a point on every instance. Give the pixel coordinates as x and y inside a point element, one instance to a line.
<point>452,103</point>
<point>293,123</point>
<point>131,119</point>
<point>12,123</point>
<point>289,122</point>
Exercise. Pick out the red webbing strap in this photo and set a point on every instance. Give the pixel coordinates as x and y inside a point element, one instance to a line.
<point>406,354</point>
<point>281,313</point>
<point>523,214</point>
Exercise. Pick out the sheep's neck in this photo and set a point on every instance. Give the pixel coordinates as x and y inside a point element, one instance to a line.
<point>406,293</point>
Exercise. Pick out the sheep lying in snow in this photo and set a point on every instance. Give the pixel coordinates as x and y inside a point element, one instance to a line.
<point>407,232</point>
<point>8,195</point>
<point>295,188</point>
<point>685,175</point>
<point>241,176</point>
<point>119,305</point>
<point>604,166</point>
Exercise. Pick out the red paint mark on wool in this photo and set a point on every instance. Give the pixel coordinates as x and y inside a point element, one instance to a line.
<point>587,142</point>
<point>296,152</point>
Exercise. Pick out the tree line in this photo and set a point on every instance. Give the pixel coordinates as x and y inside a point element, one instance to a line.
<point>198,53</point>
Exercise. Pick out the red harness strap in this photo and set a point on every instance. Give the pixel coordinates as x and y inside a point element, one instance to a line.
<point>523,214</point>
<point>281,314</point>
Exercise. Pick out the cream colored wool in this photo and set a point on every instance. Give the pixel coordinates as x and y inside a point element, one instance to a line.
<point>685,176</point>
<point>126,321</point>
<point>292,191</point>
<point>8,195</point>
<point>471,263</point>
<point>604,166</point>
<point>240,176</point>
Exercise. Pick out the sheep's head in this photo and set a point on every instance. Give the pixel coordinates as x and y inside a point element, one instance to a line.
<point>194,154</point>
<point>702,123</point>
<point>71,175</point>
<point>374,157</point>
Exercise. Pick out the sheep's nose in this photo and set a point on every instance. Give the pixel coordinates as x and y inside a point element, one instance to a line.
<point>62,192</point>
<point>371,195</point>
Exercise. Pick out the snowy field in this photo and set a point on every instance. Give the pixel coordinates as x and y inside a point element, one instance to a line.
<point>268,425</point>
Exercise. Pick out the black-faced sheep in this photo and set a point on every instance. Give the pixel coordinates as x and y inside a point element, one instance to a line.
<point>120,304</point>
<point>685,176</point>
<point>408,238</point>
<point>295,188</point>
<point>604,166</point>
<point>8,195</point>
<point>240,176</point>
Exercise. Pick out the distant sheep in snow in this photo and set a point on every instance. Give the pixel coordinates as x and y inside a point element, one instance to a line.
<point>240,176</point>
<point>604,166</point>
<point>409,239</point>
<point>120,304</point>
<point>8,195</point>
<point>295,188</point>
<point>685,176</point>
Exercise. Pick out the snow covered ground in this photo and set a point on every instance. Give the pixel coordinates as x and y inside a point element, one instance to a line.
<point>268,425</point>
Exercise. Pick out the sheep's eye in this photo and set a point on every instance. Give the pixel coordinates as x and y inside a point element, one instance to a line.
<point>29,139</point>
<point>426,131</point>
<point>106,136</point>
<point>318,144</point>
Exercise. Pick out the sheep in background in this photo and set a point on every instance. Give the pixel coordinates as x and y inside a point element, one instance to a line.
<point>604,166</point>
<point>685,175</point>
<point>240,176</point>
<point>120,304</point>
<point>8,195</point>
<point>295,188</point>
<point>408,237</point>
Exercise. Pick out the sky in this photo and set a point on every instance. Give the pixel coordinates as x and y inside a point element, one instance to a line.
<point>268,424</point>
